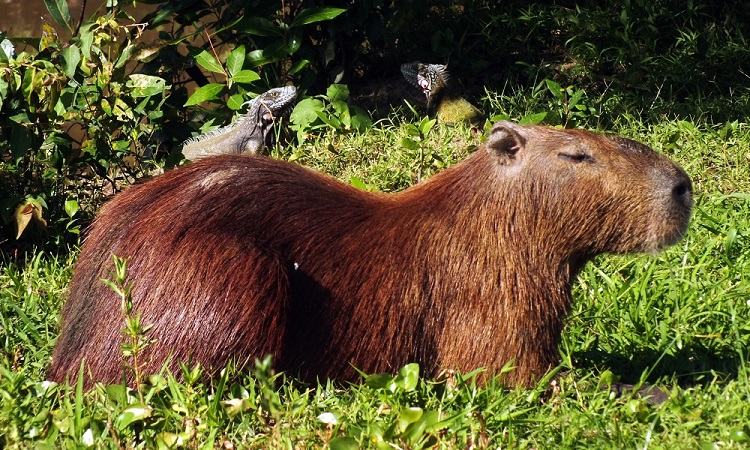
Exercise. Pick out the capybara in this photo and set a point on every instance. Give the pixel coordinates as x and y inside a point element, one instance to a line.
<point>239,256</point>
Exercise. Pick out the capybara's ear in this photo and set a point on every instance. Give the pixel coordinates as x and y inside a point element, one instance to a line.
<point>505,141</point>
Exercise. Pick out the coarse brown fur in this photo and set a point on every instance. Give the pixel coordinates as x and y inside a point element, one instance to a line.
<point>235,257</point>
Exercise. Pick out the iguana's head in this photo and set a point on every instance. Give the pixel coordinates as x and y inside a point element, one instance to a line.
<point>431,78</point>
<point>266,108</point>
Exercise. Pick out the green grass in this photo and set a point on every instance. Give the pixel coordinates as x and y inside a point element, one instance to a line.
<point>680,320</point>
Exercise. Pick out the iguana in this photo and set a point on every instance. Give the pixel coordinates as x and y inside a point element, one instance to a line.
<point>251,133</point>
<point>442,102</point>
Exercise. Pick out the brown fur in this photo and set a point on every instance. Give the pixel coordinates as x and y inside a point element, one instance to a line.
<point>242,256</point>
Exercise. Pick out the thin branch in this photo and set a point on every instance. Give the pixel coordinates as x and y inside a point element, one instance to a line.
<point>80,18</point>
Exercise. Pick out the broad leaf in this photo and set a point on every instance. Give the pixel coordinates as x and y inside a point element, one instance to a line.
<point>71,208</point>
<point>358,183</point>
<point>337,92</point>
<point>299,65</point>
<point>20,142</point>
<point>533,119</point>
<point>235,60</point>
<point>409,416</point>
<point>408,377</point>
<point>59,11</point>
<point>245,76</point>
<point>306,112</point>
<point>339,107</point>
<point>409,144</point>
<point>258,58</point>
<point>146,85</point>
<point>71,56</point>
<point>133,413</point>
<point>210,91</point>
<point>312,15</point>
<point>28,211</point>
<point>235,102</point>
<point>208,62</point>
<point>555,89</point>
<point>259,26</point>
<point>343,443</point>
<point>360,119</point>
<point>87,39</point>
<point>7,51</point>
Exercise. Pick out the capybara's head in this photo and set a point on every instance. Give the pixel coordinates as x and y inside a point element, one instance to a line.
<point>590,193</point>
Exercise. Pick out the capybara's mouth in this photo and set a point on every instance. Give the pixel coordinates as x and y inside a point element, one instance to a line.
<point>675,223</point>
<point>677,212</point>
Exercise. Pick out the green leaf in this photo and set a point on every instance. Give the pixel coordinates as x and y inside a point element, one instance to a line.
<point>118,393</point>
<point>71,56</point>
<point>360,119</point>
<point>293,43</point>
<point>235,60</point>
<point>408,416</point>
<point>379,380</point>
<point>358,183</point>
<point>739,435</point>
<point>416,430</point>
<point>533,119</point>
<point>299,65</point>
<point>6,48</point>
<point>208,62</point>
<point>87,39</point>
<point>330,120</point>
<point>741,195</point>
<point>59,11</point>
<point>574,99</point>
<point>343,443</point>
<point>71,208</point>
<point>259,26</point>
<point>235,102</point>
<point>28,211</point>
<point>132,414</point>
<point>20,142</point>
<point>555,89</point>
<point>346,118</point>
<point>245,76</point>
<point>260,57</point>
<point>409,144</point>
<point>306,112</point>
<point>312,15</point>
<point>210,91</point>
<point>337,92</point>
<point>146,85</point>
<point>426,125</point>
<point>412,130</point>
<point>408,377</point>
<point>339,107</point>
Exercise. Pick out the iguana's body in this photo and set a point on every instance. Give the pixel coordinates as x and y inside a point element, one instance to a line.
<point>249,134</point>
<point>442,102</point>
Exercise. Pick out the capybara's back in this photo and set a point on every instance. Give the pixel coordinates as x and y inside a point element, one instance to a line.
<point>236,257</point>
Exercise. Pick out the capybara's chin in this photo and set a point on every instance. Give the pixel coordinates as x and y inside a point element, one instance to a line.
<point>237,257</point>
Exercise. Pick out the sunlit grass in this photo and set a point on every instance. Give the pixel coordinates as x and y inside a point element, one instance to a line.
<point>679,320</point>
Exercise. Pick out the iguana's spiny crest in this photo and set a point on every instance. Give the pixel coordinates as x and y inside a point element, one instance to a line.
<point>251,133</point>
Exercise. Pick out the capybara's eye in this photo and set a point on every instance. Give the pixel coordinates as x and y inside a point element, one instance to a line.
<point>576,156</point>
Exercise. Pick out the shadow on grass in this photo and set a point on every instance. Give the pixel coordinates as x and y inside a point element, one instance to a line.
<point>692,365</point>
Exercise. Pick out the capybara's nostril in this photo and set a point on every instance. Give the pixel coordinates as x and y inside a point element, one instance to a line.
<point>682,189</point>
